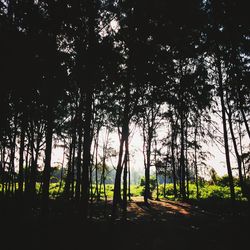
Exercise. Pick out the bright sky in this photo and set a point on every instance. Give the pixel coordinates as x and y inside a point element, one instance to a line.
<point>216,160</point>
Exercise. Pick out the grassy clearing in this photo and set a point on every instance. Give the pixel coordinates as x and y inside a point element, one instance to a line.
<point>205,192</point>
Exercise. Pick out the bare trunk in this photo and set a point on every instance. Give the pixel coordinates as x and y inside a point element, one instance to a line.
<point>173,136</point>
<point>125,176</point>
<point>124,136</point>
<point>223,111</point>
<point>245,121</point>
<point>86,152</point>
<point>195,162</point>
<point>186,157</point>
<point>69,183</point>
<point>182,160</point>
<point>147,194</point>
<point>236,149</point>
<point>241,152</point>
<point>21,158</point>
<point>47,166</point>
<point>156,173</point>
<point>79,149</point>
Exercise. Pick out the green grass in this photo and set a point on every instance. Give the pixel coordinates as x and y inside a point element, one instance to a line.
<point>205,192</point>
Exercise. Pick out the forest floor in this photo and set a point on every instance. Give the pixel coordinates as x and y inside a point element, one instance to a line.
<point>159,225</point>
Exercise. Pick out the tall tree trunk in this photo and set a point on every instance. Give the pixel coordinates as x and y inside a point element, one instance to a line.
<point>47,165</point>
<point>97,191</point>
<point>69,183</point>
<point>125,176</point>
<point>21,157</point>
<point>147,194</point>
<point>79,149</point>
<point>224,121</point>
<point>235,149</point>
<point>124,136</point>
<point>62,172</point>
<point>156,172</point>
<point>117,186</point>
<point>186,156</point>
<point>195,160</point>
<point>33,171</point>
<point>86,152</point>
<point>173,137</point>
<point>103,178</point>
<point>12,158</point>
<point>129,178</point>
<point>245,121</point>
<point>103,175</point>
<point>3,173</point>
<point>165,182</point>
<point>182,159</point>
<point>26,171</point>
<point>241,151</point>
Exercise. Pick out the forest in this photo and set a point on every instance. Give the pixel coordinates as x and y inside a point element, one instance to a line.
<point>75,74</point>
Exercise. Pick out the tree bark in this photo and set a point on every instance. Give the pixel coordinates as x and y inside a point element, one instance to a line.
<point>79,149</point>
<point>182,159</point>
<point>86,152</point>
<point>224,122</point>
<point>47,166</point>
<point>124,136</point>
<point>173,136</point>
<point>125,176</point>
<point>236,149</point>
<point>195,161</point>
<point>21,157</point>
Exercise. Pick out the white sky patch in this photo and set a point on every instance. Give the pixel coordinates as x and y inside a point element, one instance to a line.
<point>216,160</point>
<point>114,24</point>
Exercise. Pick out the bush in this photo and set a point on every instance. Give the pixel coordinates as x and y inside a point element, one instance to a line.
<point>152,183</point>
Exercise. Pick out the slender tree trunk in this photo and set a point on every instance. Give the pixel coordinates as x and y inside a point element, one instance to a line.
<point>165,182</point>
<point>156,173</point>
<point>103,178</point>
<point>124,136</point>
<point>86,152</point>
<point>117,186</point>
<point>147,194</point>
<point>182,160</point>
<point>62,173</point>
<point>79,149</point>
<point>96,164</point>
<point>47,166</point>
<point>223,111</point>
<point>245,121</point>
<point>26,172</point>
<point>72,189</point>
<point>21,157</point>
<point>186,157</point>
<point>33,172</point>
<point>12,157</point>
<point>129,178</point>
<point>236,149</point>
<point>3,173</point>
<point>125,176</point>
<point>173,158</point>
<point>103,175</point>
<point>241,152</point>
<point>195,161</point>
<point>69,183</point>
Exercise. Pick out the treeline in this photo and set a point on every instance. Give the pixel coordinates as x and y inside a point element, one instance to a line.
<point>70,69</point>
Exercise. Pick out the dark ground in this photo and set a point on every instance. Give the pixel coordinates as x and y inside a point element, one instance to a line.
<point>159,225</point>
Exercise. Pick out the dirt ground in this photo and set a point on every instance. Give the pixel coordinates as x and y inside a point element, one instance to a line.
<point>159,225</point>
